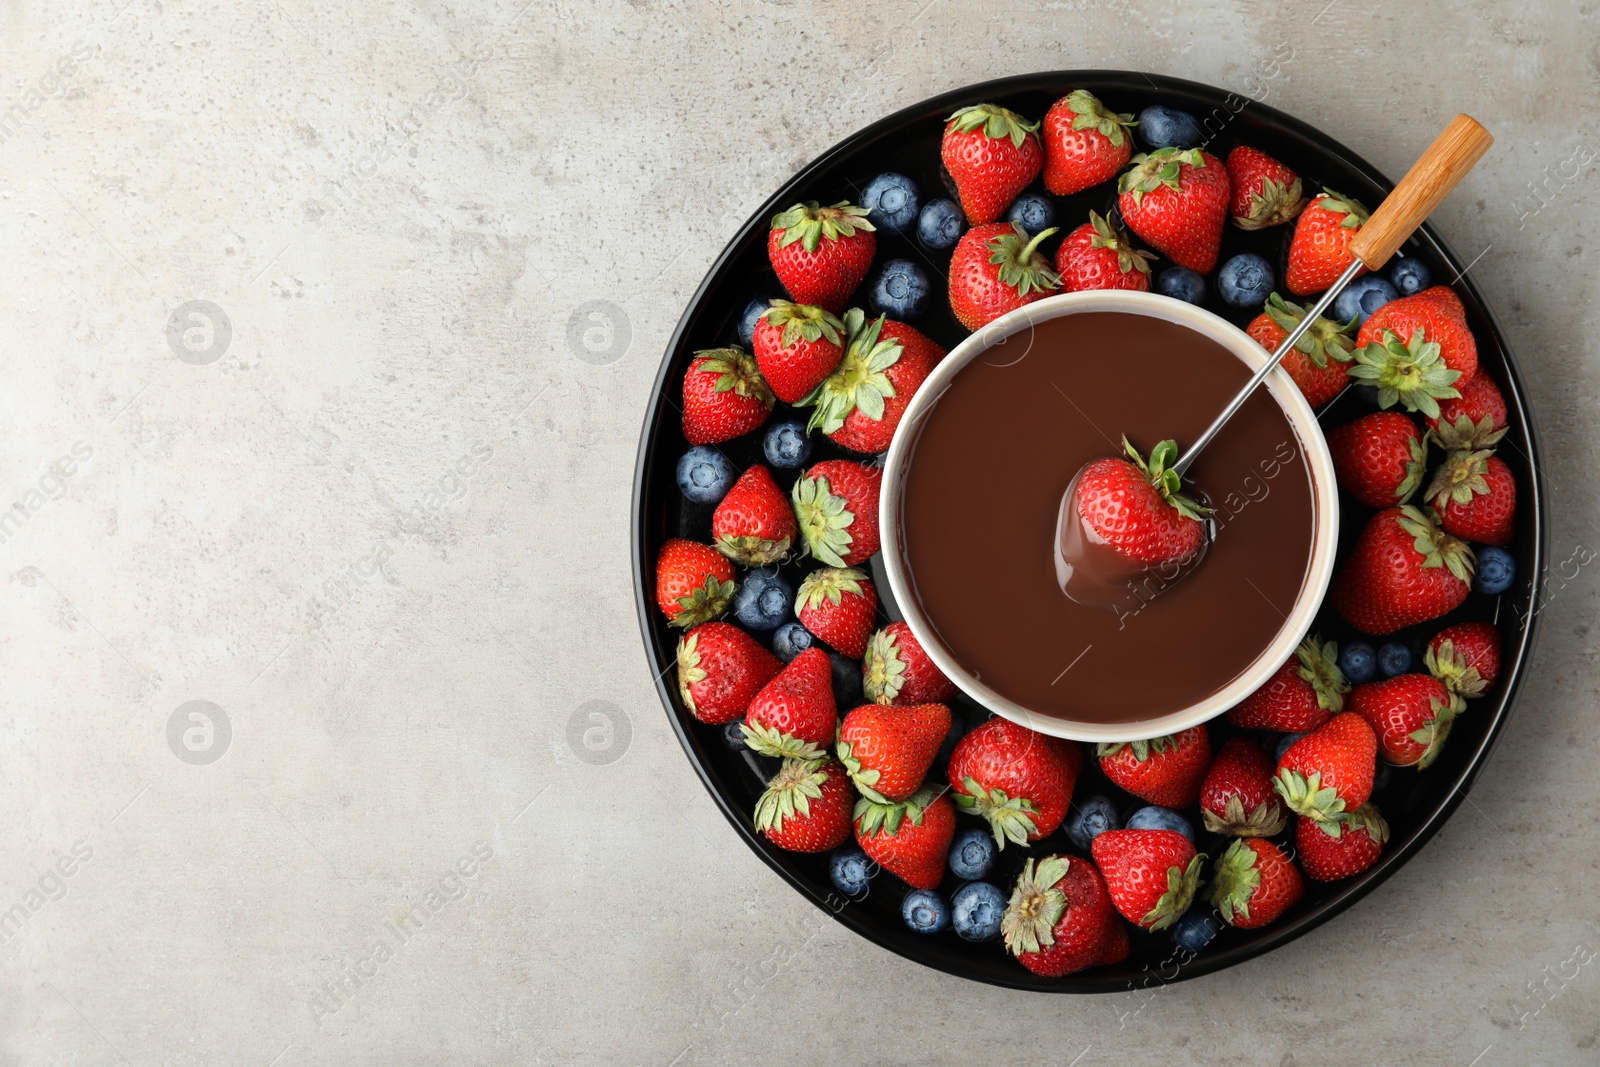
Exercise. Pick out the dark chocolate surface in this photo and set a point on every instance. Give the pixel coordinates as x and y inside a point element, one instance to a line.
<point>984,488</point>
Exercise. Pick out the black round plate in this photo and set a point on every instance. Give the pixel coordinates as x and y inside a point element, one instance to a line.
<point>1415,803</point>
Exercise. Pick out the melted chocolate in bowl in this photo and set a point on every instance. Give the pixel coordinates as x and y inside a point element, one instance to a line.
<point>982,498</point>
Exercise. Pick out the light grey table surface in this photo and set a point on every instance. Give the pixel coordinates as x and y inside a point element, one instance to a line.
<point>379,524</point>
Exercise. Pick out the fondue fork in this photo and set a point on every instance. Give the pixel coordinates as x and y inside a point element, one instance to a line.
<point>1438,171</point>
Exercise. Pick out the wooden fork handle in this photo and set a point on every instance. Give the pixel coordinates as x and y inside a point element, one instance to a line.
<point>1428,182</point>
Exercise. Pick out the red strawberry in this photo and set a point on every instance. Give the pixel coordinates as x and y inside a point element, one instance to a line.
<point>1395,345</point>
<point>1019,780</point>
<point>1329,851</point>
<point>1405,370</point>
<point>794,714</point>
<point>1097,256</point>
<point>1237,798</point>
<point>807,806</point>
<point>838,604</point>
<point>997,268</point>
<point>1379,458</point>
<point>861,402</point>
<point>836,504</point>
<point>1329,771</point>
<point>888,750</point>
<point>1151,874</point>
<point>1447,300</point>
<point>1137,508</point>
<point>1320,250</point>
<point>911,840</point>
<point>913,341</point>
<point>1264,191</point>
<point>896,670</point>
<point>694,582</point>
<point>820,254</point>
<point>1164,770</point>
<point>796,346</point>
<point>1403,570</point>
<point>1084,144</point>
<point>720,669</point>
<point>754,525</point>
<point>1473,490</point>
<point>1320,361</point>
<point>1177,200</point>
<point>1480,404</point>
<point>724,396</point>
<point>1300,696</point>
<point>1475,494</point>
<point>1060,919</point>
<point>1255,883</point>
<point>1465,657</point>
<point>1411,715</point>
<point>992,154</point>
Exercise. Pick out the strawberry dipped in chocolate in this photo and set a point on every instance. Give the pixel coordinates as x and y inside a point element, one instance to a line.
<point>1126,531</point>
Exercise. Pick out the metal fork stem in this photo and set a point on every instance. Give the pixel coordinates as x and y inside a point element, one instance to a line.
<point>1289,342</point>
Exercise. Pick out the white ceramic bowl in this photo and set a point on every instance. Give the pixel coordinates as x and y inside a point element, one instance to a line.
<point>1282,388</point>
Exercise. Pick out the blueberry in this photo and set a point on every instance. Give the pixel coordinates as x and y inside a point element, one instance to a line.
<point>1091,817</point>
<point>1167,127</point>
<point>1283,745</point>
<point>791,639</point>
<point>1361,298</point>
<point>705,475</point>
<point>846,682</point>
<point>1194,930</point>
<point>1181,283</point>
<point>1245,281</point>
<point>1410,276</point>
<point>976,910</point>
<point>925,912</point>
<point>749,317</point>
<point>1357,662</point>
<point>972,853</point>
<point>900,290</point>
<point>1033,211</point>
<point>787,444</point>
<point>940,225</point>
<point>1381,775</point>
<point>733,736</point>
<point>1368,394</point>
<point>1154,817</point>
<point>1496,571</point>
<point>1394,658</point>
<point>763,600</point>
<point>891,202</point>
<point>851,871</point>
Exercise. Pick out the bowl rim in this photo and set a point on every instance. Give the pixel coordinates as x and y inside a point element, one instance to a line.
<point>1313,447</point>
<point>813,885</point>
